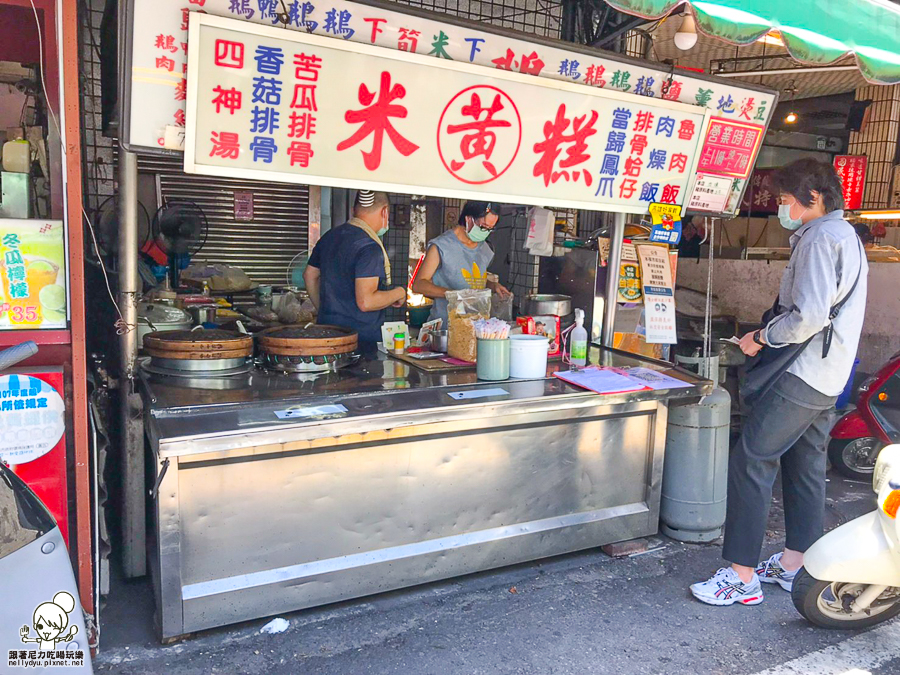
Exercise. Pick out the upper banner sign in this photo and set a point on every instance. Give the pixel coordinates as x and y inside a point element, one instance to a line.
<point>268,104</point>
<point>851,169</point>
<point>159,57</point>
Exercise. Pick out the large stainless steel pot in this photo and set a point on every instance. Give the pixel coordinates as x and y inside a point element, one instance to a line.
<point>544,305</point>
<point>157,317</point>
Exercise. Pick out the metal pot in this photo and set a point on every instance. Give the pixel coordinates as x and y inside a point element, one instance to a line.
<point>154,317</point>
<point>548,305</point>
<point>202,314</point>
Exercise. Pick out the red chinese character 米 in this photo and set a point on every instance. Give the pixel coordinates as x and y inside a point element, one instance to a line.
<point>229,54</point>
<point>225,144</point>
<point>300,153</point>
<point>230,99</point>
<point>555,137</point>
<point>375,120</point>
<point>166,42</point>
<point>481,141</point>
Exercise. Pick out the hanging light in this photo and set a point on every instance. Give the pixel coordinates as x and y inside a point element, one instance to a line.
<point>686,36</point>
<point>791,117</point>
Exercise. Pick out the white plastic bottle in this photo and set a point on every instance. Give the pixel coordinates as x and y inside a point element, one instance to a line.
<point>578,341</point>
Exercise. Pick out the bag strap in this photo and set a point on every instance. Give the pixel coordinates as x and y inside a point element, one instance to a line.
<point>833,314</point>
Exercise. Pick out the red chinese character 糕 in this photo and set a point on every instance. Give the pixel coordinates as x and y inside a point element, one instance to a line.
<point>375,120</point>
<point>576,153</point>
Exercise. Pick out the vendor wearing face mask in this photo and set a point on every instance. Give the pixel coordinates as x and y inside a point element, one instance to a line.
<point>459,259</point>
<point>349,275</point>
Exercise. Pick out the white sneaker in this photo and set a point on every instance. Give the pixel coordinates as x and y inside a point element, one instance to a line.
<point>726,588</point>
<point>771,572</point>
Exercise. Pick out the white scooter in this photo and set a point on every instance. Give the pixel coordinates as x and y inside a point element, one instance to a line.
<point>851,576</point>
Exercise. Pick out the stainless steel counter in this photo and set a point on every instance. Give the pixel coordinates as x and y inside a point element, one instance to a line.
<point>400,484</point>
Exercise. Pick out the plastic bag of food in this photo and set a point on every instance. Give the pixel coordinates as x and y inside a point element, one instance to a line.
<point>220,278</point>
<point>464,308</point>
<point>502,308</point>
<point>293,310</point>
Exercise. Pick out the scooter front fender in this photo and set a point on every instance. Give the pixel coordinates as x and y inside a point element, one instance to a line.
<point>857,552</point>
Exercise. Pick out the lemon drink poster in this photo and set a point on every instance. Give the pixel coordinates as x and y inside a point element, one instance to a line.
<point>33,273</point>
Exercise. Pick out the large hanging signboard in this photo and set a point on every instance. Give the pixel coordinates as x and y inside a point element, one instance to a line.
<point>33,271</point>
<point>268,104</point>
<point>851,169</point>
<point>159,57</point>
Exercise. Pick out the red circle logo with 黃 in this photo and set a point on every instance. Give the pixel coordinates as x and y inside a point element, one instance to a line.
<point>479,134</point>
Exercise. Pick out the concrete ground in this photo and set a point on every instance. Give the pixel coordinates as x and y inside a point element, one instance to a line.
<point>581,613</point>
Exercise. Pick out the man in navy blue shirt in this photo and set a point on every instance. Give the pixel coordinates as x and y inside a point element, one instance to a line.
<point>349,275</point>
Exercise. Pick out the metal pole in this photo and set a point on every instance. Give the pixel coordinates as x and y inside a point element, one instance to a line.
<point>613,266</point>
<point>133,527</point>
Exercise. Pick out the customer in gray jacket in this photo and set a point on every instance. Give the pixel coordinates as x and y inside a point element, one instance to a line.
<point>821,304</point>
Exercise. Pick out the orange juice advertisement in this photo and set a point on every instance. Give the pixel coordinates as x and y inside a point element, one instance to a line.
<point>32,267</point>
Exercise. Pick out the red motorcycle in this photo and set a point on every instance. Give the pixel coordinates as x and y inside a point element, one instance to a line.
<point>860,435</point>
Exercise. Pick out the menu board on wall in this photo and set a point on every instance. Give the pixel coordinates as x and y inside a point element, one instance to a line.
<point>262,106</point>
<point>33,272</point>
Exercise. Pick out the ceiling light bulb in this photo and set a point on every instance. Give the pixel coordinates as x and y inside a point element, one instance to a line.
<point>686,37</point>
<point>791,118</point>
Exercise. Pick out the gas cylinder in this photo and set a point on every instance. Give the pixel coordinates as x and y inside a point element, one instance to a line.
<point>695,473</point>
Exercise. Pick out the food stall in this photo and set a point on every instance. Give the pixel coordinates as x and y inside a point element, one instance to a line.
<point>290,470</point>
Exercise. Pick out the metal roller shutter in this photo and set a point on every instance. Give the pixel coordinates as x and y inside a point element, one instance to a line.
<point>264,247</point>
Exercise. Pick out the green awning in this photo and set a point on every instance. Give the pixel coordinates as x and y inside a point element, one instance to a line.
<point>813,31</point>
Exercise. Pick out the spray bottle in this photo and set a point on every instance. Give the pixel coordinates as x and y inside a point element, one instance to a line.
<point>578,341</point>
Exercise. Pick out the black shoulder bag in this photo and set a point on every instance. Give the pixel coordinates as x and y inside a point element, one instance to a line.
<point>763,370</point>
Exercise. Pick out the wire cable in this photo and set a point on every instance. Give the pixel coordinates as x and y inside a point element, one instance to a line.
<point>122,326</point>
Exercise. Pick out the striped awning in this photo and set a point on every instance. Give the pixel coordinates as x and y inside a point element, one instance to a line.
<point>815,32</point>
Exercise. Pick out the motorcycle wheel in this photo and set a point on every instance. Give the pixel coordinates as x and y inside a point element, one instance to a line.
<point>827,604</point>
<point>854,458</point>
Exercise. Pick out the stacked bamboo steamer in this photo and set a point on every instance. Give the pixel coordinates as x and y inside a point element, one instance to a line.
<point>200,345</point>
<point>307,341</point>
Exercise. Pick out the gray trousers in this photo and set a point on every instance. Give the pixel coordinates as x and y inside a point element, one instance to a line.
<point>789,428</point>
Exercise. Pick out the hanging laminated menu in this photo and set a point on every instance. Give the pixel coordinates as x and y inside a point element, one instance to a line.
<point>659,294</point>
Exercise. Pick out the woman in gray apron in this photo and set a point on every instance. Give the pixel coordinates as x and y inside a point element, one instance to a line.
<point>459,259</point>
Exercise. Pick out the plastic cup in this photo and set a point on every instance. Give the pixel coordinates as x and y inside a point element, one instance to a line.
<point>493,359</point>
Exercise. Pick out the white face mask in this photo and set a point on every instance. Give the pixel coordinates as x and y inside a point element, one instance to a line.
<point>784,217</point>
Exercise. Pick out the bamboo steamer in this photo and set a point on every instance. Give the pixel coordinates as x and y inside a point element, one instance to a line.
<point>308,340</point>
<point>198,345</point>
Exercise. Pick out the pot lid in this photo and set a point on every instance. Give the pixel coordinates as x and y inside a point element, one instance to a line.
<point>158,314</point>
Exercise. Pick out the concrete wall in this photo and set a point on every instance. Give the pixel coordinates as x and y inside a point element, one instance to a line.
<point>746,288</point>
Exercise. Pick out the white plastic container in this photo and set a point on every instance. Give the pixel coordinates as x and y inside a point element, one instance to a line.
<point>528,356</point>
<point>17,156</point>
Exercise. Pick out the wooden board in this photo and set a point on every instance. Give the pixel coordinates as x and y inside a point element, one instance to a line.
<point>431,365</point>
